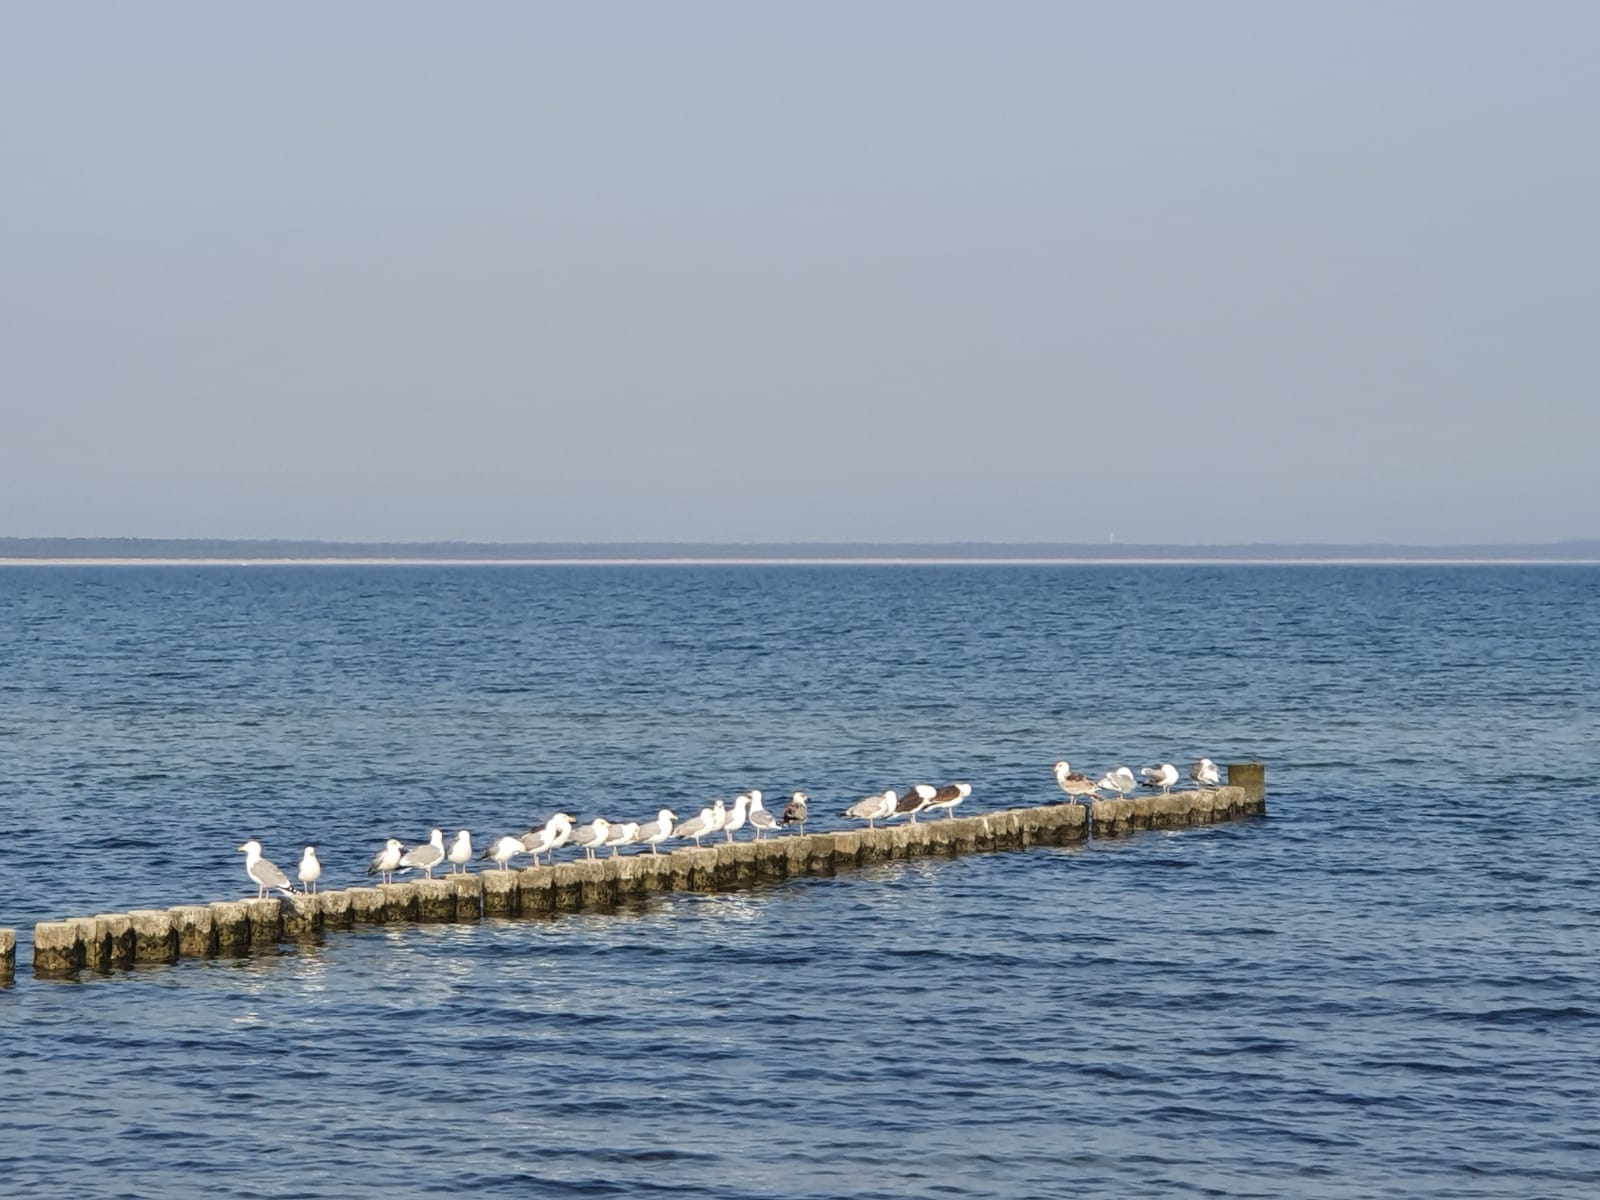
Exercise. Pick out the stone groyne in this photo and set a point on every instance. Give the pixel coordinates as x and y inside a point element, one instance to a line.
<point>109,941</point>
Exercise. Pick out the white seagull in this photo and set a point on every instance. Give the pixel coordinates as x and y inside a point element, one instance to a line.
<point>760,819</point>
<point>1205,773</point>
<point>794,812</point>
<point>947,797</point>
<point>549,837</point>
<point>622,835</point>
<point>1162,776</point>
<point>872,809</point>
<point>425,857</point>
<point>387,861</point>
<point>736,816</point>
<point>310,870</point>
<point>657,831</point>
<point>502,850</point>
<point>1073,784</point>
<point>262,873</point>
<point>695,827</point>
<point>591,835</point>
<point>1119,781</point>
<point>460,852</point>
<point>913,800</point>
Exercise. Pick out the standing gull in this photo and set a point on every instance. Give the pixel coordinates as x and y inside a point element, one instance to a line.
<point>591,835</point>
<point>502,850</point>
<point>1072,784</point>
<point>760,819</point>
<point>425,857</point>
<point>913,800</point>
<point>1162,776</point>
<point>947,797</point>
<point>736,816</point>
<point>872,809</point>
<point>547,839</point>
<point>622,835</point>
<point>794,812</point>
<point>1205,773</point>
<point>657,831</point>
<point>262,873</point>
<point>460,853</point>
<point>310,870</point>
<point>1119,781</point>
<point>695,827</point>
<point>387,861</point>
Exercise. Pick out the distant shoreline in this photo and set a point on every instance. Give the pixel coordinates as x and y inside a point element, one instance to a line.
<point>854,561</point>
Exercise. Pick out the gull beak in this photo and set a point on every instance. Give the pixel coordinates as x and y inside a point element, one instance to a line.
<point>238,848</point>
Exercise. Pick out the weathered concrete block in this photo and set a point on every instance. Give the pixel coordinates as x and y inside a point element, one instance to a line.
<point>772,858</point>
<point>655,872</point>
<point>57,948</point>
<point>469,896</point>
<point>400,900</point>
<point>94,944</point>
<point>230,921</point>
<point>736,866</point>
<point>335,907</point>
<point>436,900</point>
<point>1251,779</point>
<point>702,869</point>
<point>117,930</point>
<point>154,938</point>
<point>368,905</point>
<point>875,845</point>
<point>598,886</point>
<point>194,930</point>
<point>502,894</point>
<point>821,853</point>
<point>1143,809</point>
<point>8,955</point>
<point>566,886</point>
<point>846,849</point>
<point>629,876</point>
<point>300,918</point>
<point>266,922</point>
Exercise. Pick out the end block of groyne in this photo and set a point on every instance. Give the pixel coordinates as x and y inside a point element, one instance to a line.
<point>1251,778</point>
<point>469,896</point>
<point>57,949</point>
<point>8,955</point>
<point>193,930</point>
<point>231,922</point>
<point>155,940</point>
<point>502,895</point>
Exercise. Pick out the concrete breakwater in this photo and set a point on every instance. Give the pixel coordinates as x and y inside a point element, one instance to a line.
<point>108,941</point>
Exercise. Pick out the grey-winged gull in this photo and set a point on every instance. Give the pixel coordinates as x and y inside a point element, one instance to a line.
<point>760,819</point>
<point>1162,776</point>
<point>262,873</point>
<point>657,831</point>
<point>872,809</point>
<point>592,835</point>
<point>425,857</point>
<point>502,850</point>
<point>387,861</point>
<point>1119,781</point>
<point>1205,773</point>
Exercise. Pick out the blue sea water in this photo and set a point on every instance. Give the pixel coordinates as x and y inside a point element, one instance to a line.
<point>1390,986</point>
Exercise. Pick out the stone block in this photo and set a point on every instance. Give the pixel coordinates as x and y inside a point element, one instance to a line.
<point>154,938</point>
<point>194,930</point>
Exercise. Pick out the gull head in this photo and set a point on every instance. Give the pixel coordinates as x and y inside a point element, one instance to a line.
<point>250,847</point>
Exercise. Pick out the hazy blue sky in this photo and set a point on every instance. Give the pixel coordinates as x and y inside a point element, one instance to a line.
<point>909,271</point>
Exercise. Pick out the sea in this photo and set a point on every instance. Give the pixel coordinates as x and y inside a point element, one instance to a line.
<point>1388,986</point>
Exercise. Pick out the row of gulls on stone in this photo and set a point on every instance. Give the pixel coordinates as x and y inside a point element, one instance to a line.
<point>748,808</point>
<point>1121,780</point>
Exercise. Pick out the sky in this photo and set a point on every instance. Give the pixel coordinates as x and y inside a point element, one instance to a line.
<point>1172,272</point>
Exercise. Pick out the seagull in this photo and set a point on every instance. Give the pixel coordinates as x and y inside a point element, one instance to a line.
<point>502,850</point>
<point>950,795</point>
<point>262,873</point>
<point>460,853</point>
<point>552,835</point>
<point>310,870</point>
<point>1163,777</point>
<point>794,812</point>
<point>591,835</point>
<point>1119,781</point>
<point>873,808</point>
<point>760,819</point>
<point>622,835</point>
<point>913,800</point>
<point>657,831</point>
<point>426,856</point>
<point>695,827</point>
<point>1074,785</point>
<point>387,861</point>
<point>1205,773</point>
<point>736,816</point>
<point>719,817</point>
